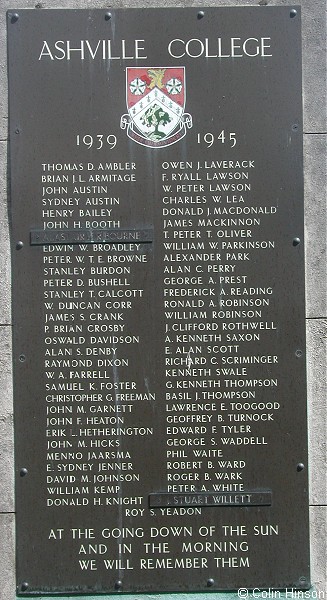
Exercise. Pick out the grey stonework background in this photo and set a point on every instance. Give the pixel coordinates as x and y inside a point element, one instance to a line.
<point>315,134</point>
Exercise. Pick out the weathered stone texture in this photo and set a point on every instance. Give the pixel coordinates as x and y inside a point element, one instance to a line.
<point>317,414</point>
<point>6,423</point>
<point>7,557</point>
<point>315,224</point>
<point>4,239</point>
<point>5,274</point>
<point>318,521</point>
<point>314,66</point>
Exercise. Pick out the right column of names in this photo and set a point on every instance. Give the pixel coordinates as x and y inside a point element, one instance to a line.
<point>221,331</point>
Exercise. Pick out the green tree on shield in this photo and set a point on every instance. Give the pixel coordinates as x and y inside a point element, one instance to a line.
<point>154,117</point>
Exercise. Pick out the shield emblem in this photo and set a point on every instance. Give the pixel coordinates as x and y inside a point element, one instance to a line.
<point>155,98</point>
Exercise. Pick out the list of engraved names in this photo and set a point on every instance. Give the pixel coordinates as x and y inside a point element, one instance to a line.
<point>216,395</point>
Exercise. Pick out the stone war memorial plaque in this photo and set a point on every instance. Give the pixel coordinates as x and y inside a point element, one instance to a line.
<point>158,299</point>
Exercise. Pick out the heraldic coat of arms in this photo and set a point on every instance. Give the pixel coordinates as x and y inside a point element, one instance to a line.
<point>155,102</point>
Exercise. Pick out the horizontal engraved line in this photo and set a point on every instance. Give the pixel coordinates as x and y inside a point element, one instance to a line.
<point>210,499</point>
<point>42,237</point>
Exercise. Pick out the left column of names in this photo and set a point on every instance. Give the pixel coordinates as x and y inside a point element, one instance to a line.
<point>94,394</point>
